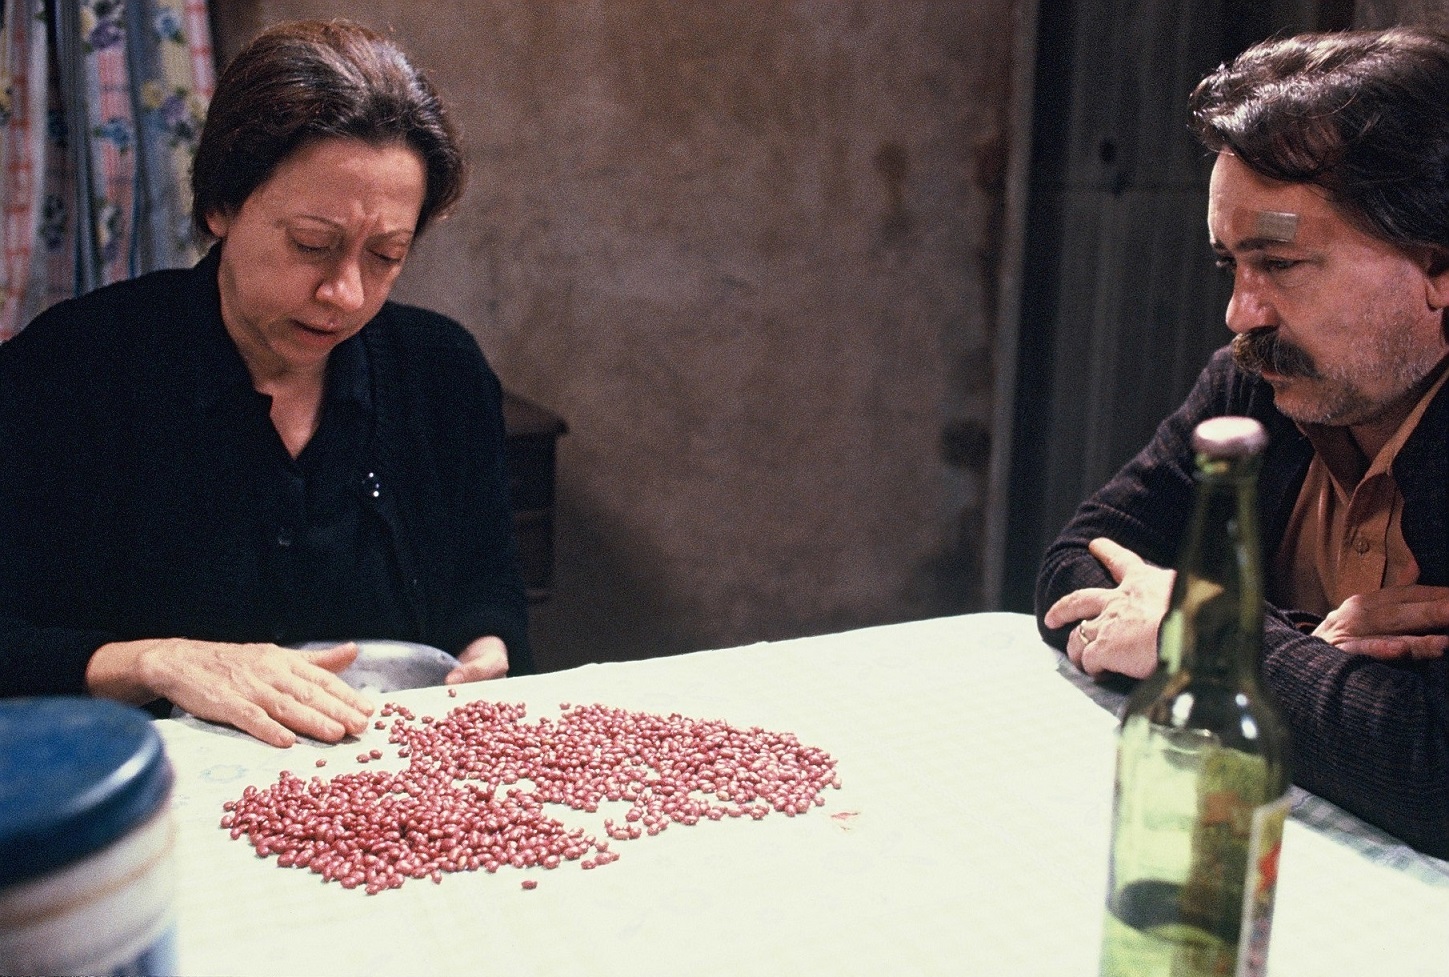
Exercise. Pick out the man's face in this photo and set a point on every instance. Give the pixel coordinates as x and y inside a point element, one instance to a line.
<point>1345,327</point>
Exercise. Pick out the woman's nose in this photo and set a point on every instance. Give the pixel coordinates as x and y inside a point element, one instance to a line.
<point>343,286</point>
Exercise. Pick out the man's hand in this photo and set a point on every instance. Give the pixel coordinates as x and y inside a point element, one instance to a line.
<point>1396,622</point>
<point>485,658</point>
<point>1118,626</point>
<point>273,693</point>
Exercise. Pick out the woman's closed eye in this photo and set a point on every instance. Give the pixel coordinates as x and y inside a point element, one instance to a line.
<point>311,247</point>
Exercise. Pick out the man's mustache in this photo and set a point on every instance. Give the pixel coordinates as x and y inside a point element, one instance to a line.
<point>1263,351</point>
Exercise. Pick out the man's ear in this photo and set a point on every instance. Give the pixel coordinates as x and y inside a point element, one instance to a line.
<point>1436,268</point>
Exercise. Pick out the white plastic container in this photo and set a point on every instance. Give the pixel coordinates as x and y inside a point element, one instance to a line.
<point>87,881</point>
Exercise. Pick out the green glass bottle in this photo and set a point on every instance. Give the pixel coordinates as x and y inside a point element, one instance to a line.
<point>1202,756</point>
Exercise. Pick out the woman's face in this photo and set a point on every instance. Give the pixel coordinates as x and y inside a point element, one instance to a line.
<point>310,256</point>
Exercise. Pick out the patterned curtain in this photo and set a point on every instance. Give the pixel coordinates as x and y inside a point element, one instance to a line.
<point>101,103</point>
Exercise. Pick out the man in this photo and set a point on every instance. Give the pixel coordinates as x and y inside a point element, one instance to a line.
<point>1329,206</point>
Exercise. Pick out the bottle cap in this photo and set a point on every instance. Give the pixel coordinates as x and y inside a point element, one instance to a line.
<point>75,775</point>
<point>1229,437</point>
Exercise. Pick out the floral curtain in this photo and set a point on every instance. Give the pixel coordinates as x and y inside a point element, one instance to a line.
<point>101,103</point>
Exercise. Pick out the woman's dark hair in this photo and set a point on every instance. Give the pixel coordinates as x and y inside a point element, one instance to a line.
<point>1362,114</point>
<point>302,81</point>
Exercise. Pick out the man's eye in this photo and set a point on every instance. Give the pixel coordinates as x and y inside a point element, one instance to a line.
<point>1225,263</point>
<point>389,259</point>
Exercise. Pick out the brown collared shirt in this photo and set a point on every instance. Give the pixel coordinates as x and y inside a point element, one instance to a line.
<point>1344,535</point>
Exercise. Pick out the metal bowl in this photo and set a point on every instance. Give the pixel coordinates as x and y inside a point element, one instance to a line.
<point>391,666</point>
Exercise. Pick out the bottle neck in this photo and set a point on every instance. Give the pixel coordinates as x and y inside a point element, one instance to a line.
<point>1215,618</point>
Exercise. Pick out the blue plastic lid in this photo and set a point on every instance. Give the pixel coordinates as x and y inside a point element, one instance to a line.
<point>75,775</point>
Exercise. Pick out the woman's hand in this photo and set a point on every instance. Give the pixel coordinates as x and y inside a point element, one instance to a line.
<point>273,693</point>
<point>484,658</point>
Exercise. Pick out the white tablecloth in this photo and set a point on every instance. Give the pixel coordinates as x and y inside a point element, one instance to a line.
<point>969,837</point>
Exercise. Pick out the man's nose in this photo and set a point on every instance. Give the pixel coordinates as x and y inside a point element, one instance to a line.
<point>1248,309</point>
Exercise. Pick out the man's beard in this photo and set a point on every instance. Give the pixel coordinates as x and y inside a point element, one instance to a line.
<point>1263,351</point>
<point>1335,396</point>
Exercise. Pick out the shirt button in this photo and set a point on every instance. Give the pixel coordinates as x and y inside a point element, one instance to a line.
<point>284,538</point>
<point>1360,546</point>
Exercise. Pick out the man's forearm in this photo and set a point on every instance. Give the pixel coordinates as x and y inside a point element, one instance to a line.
<point>1370,736</point>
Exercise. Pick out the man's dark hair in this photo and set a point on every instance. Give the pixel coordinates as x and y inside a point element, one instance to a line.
<point>1362,114</point>
<point>302,81</point>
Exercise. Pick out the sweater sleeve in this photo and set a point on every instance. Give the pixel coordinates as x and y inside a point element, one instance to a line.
<point>1368,735</point>
<point>487,595</point>
<point>49,508</point>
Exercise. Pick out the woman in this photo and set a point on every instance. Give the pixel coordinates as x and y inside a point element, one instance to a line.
<point>199,467</point>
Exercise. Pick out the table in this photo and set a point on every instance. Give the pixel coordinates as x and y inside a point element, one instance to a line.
<point>969,836</point>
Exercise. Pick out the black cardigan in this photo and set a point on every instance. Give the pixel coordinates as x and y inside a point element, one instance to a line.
<point>1370,735</point>
<point>124,516</point>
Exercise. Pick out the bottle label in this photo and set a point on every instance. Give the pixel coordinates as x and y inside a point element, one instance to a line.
<point>1265,843</point>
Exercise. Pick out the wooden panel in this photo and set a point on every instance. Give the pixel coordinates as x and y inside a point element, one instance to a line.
<point>1130,342</point>
<point>1115,115</point>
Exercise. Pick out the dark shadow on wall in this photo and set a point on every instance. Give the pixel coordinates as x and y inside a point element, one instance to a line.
<point>609,601</point>
<point>613,601</point>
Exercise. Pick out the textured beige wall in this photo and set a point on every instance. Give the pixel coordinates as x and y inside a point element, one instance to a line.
<point>748,250</point>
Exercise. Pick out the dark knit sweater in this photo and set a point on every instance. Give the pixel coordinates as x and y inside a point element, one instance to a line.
<point>125,513</point>
<point>1369,735</point>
